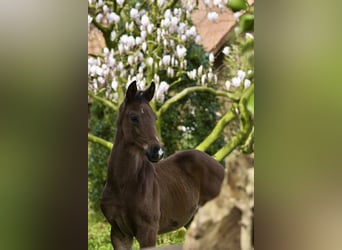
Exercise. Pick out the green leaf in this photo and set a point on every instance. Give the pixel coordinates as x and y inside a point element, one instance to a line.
<point>237,5</point>
<point>250,104</point>
<point>246,23</point>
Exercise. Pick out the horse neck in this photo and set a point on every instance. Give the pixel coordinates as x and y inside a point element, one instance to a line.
<point>124,161</point>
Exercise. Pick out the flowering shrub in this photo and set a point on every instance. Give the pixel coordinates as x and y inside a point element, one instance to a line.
<point>145,41</point>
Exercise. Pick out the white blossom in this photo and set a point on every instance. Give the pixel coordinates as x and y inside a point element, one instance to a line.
<point>120,66</point>
<point>211,57</point>
<point>246,83</point>
<point>166,60</point>
<point>237,15</point>
<point>120,2</point>
<point>138,40</point>
<point>249,36</point>
<point>145,21</point>
<point>200,69</point>
<point>212,16</point>
<point>120,48</point>
<point>183,38</point>
<point>192,74</point>
<point>115,96</point>
<point>217,2</point>
<point>156,78</point>
<point>131,26</point>
<point>113,17</point>
<point>105,9</point>
<point>99,17</point>
<point>143,34</point>
<point>191,32</point>
<point>167,14</point>
<point>144,46</point>
<point>111,61</point>
<point>226,50</point>
<point>99,71</point>
<point>181,51</point>
<point>170,72</point>
<point>161,3</point>
<point>130,60</point>
<point>236,81</point>
<point>203,78</point>
<point>149,61</point>
<point>174,22</point>
<point>134,13</point>
<point>101,80</point>
<point>241,74</point>
<point>112,35</point>
<point>105,51</point>
<point>150,28</point>
<point>141,68</point>
<point>215,79</point>
<point>227,83</point>
<point>114,85</point>
<point>141,84</point>
<point>162,89</point>
<point>165,23</point>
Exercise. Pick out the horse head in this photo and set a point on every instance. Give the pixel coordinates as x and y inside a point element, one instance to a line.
<point>137,121</point>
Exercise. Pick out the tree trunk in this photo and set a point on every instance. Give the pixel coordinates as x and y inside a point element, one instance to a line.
<point>226,223</point>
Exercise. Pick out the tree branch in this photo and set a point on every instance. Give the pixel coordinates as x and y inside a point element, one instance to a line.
<point>246,125</point>
<point>190,90</point>
<point>229,147</point>
<point>103,101</point>
<point>214,135</point>
<point>95,139</point>
<point>247,148</point>
<point>102,28</point>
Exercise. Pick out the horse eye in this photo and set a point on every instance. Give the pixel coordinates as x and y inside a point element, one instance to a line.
<point>134,118</point>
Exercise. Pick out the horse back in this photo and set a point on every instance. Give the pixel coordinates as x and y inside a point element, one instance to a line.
<point>205,171</point>
<point>187,179</point>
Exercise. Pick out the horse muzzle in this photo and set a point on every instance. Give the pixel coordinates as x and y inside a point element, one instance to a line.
<point>155,153</point>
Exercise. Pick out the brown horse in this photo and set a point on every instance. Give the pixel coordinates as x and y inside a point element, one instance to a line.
<point>144,196</point>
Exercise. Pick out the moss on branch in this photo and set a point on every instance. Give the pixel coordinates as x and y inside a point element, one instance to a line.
<point>95,139</point>
<point>245,127</point>
<point>215,133</point>
<point>103,101</point>
<point>190,90</point>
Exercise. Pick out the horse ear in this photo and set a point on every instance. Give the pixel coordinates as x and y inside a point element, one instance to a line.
<point>131,91</point>
<point>149,93</point>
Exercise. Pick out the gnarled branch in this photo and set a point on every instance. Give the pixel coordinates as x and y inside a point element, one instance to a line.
<point>215,133</point>
<point>95,139</point>
<point>103,101</point>
<point>190,90</point>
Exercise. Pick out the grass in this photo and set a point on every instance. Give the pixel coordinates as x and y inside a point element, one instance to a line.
<point>99,234</point>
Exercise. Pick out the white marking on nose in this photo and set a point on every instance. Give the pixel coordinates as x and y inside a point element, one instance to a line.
<point>157,138</point>
<point>160,152</point>
<point>142,110</point>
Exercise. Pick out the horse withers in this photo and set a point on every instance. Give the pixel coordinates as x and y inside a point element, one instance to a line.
<point>144,195</point>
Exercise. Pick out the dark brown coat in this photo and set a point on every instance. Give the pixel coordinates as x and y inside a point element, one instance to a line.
<point>144,196</point>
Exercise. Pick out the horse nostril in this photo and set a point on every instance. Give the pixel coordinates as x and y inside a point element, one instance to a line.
<point>155,153</point>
